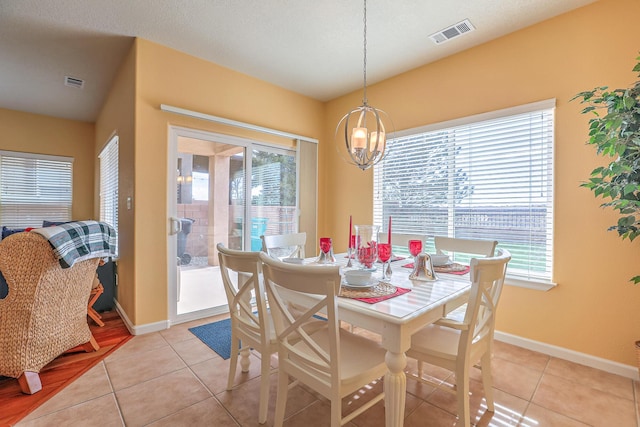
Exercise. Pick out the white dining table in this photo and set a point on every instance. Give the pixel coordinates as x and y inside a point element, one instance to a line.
<point>397,318</point>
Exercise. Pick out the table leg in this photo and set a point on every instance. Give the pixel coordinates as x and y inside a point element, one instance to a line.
<point>395,389</point>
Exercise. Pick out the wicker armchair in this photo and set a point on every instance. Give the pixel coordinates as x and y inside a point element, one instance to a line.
<point>45,312</point>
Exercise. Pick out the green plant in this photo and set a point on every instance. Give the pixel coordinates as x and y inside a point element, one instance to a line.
<point>617,135</point>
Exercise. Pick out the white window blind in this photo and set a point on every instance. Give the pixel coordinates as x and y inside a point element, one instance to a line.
<point>109,183</point>
<point>486,178</point>
<point>34,188</point>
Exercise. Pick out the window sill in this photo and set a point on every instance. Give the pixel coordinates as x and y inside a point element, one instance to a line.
<point>536,285</point>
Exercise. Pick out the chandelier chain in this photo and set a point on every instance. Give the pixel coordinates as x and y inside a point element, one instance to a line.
<point>364,71</point>
<point>363,128</point>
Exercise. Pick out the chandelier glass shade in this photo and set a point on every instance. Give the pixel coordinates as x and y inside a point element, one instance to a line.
<point>363,129</point>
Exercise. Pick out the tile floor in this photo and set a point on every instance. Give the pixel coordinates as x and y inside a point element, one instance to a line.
<point>170,378</point>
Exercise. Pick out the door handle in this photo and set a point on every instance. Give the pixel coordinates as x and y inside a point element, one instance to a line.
<point>175,226</point>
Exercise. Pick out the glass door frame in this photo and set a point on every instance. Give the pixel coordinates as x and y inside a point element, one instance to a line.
<point>248,146</point>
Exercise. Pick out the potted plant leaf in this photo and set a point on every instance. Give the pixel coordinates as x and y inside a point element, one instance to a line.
<point>615,132</point>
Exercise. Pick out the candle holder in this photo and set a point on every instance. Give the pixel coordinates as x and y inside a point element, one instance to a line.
<point>351,251</point>
<point>366,245</point>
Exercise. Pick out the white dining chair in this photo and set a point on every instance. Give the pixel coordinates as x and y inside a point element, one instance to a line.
<point>251,327</point>
<point>454,245</point>
<point>285,245</point>
<point>459,345</point>
<point>332,361</point>
<point>401,240</point>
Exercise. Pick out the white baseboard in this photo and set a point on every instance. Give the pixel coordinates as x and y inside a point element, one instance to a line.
<point>141,329</point>
<point>610,366</point>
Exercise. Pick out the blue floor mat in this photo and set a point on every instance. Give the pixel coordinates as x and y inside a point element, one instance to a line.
<point>216,335</point>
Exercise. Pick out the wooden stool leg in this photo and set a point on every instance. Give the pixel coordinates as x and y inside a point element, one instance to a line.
<point>95,316</point>
<point>30,382</point>
<point>95,294</point>
<point>91,345</point>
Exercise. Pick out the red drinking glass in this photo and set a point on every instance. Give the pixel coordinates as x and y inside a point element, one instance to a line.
<point>415,247</point>
<point>326,251</point>
<point>384,252</point>
<point>325,244</point>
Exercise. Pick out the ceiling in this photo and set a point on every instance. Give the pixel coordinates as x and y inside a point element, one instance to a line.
<point>308,46</point>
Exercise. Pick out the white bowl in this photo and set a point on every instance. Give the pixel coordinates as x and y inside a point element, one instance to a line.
<point>357,277</point>
<point>439,259</point>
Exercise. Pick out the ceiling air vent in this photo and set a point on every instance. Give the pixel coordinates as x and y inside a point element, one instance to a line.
<point>73,82</point>
<point>453,31</point>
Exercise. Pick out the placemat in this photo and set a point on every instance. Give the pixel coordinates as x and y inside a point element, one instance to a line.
<point>393,258</point>
<point>453,268</point>
<point>380,292</point>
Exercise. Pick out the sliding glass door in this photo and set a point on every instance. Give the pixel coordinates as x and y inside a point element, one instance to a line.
<point>225,190</point>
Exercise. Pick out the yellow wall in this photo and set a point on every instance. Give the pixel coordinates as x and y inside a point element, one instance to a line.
<point>594,309</point>
<point>32,133</point>
<point>117,118</point>
<point>166,76</point>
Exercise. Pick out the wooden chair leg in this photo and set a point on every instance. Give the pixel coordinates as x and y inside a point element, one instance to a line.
<point>30,382</point>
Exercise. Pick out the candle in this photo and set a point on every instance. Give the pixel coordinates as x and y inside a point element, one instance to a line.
<point>350,226</point>
<point>358,138</point>
<point>389,231</point>
<point>377,138</point>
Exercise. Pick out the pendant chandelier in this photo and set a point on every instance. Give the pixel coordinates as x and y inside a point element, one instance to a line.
<point>362,128</point>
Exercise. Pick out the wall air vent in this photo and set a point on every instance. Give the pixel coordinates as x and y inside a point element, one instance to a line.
<point>73,82</point>
<point>453,31</point>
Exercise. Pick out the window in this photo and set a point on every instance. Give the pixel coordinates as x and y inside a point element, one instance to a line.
<point>34,188</point>
<point>487,176</point>
<point>200,187</point>
<point>109,184</point>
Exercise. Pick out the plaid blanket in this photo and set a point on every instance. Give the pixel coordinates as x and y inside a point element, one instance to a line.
<point>80,240</point>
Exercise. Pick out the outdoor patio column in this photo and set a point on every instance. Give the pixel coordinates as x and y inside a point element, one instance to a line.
<point>218,204</point>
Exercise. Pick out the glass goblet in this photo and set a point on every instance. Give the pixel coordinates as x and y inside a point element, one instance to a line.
<point>326,251</point>
<point>325,244</point>
<point>384,255</point>
<point>415,247</point>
